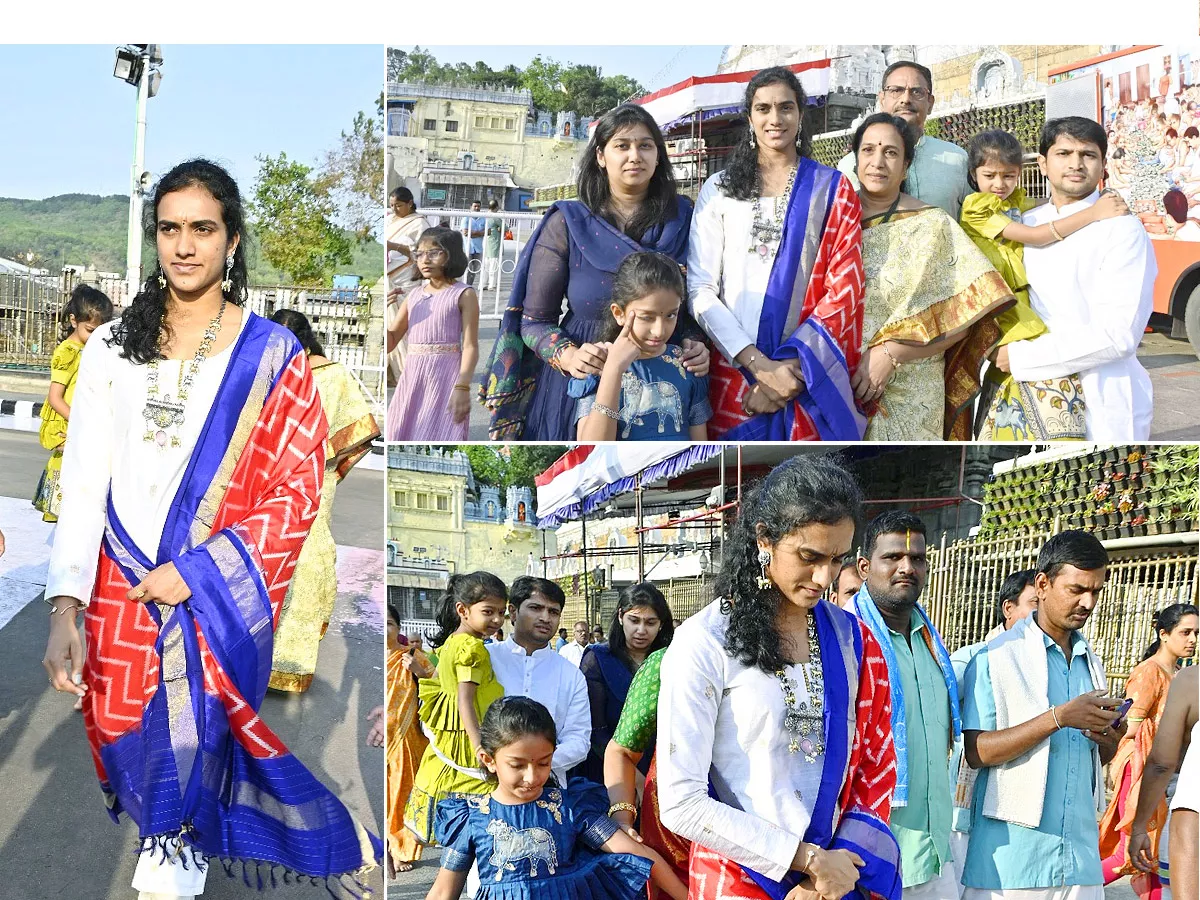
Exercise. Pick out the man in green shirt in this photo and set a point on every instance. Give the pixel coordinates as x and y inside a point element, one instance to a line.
<point>893,567</point>
<point>938,173</point>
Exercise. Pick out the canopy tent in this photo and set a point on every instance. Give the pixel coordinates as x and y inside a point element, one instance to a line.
<point>710,96</point>
<point>585,478</point>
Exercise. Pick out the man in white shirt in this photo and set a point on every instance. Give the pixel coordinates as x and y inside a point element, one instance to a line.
<point>574,650</point>
<point>1094,291</point>
<point>938,172</point>
<point>526,665</point>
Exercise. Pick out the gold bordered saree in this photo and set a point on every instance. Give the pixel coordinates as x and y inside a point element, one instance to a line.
<point>928,283</point>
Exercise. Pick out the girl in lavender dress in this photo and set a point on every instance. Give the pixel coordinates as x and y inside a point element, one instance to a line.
<point>441,320</point>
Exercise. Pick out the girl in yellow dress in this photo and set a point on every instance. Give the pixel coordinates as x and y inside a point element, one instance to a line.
<point>1021,411</point>
<point>86,311</point>
<point>454,701</point>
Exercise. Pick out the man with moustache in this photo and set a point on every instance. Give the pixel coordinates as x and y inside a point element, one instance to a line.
<point>1095,292</point>
<point>526,665</point>
<point>1038,725</point>
<point>1016,601</point>
<point>938,173</point>
<point>925,718</point>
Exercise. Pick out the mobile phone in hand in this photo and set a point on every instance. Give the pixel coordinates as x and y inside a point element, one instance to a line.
<point>1122,710</point>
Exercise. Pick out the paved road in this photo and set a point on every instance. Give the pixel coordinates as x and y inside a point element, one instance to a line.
<point>55,837</point>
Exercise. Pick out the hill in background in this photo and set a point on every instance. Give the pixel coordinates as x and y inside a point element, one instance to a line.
<point>86,229</point>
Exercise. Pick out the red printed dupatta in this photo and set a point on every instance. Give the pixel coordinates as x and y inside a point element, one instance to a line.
<point>172,710</point>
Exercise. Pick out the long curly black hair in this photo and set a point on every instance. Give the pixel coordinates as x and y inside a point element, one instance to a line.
<point>802,491</point>
<point>740,175</point>
<point>143,325</point>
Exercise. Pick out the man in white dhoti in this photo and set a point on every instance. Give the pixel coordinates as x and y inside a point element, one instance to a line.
<point>1094,292</point>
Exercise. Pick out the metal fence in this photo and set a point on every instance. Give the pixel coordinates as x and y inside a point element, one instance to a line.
<point>518,227</point>
<point>965,577</point>
<point>344,320</point>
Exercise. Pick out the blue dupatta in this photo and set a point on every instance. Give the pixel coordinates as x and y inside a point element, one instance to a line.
<point>513,367</point>
<point>856,829</point>
<point>200,767</point>
<point>786,332</point>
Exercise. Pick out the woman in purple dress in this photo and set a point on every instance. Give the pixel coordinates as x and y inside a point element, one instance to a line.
<point>627,202</point>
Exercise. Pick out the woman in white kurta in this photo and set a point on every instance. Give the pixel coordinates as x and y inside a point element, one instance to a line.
<point>194,470</point>
<point>403,229</point>
<point>775,279</point>
<point>777,700</point>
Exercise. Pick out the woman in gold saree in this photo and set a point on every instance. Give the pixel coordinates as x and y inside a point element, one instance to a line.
<point>313,590</point>
<point>931,300</point>
<point>405,741</point>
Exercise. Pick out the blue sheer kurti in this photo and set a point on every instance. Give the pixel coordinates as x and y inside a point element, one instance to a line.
<point>547,849</point>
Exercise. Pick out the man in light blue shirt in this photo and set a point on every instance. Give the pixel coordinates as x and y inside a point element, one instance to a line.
<point>1059,859</point>
<point>938,173</point>
<point>1016,601</point>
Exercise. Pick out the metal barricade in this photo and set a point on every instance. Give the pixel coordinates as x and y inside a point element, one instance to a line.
<point>518,227</point>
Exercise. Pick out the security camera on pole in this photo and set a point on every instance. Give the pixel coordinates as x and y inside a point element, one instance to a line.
<point>141,66</point>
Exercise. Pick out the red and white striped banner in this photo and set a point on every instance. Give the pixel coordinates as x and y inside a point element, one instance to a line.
<point>724,91</point>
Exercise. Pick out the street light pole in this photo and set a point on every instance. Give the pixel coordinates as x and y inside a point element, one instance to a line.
<point>133,247</point>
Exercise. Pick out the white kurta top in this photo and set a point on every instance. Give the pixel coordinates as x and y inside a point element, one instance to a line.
<point>105,444</point>
<point>726,282</point>
<point>1095,292</point>
<point>559,686</point>
<point>718,717</point>
<point>573,653</point>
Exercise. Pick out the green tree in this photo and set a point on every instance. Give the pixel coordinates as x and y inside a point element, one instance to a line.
<point>486,466</point>
<point>527,461</point>
<point>352,175</point>
<point>292,213</point>
<point>543,79</point>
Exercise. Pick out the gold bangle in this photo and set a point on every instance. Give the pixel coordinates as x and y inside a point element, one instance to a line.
<point>1054,231</point>
<point>622,807</point>
<point>462,387</point>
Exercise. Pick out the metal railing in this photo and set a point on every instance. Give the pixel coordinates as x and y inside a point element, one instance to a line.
<point>31,322</point>
<point>965,577</point>
<point>518,227</point>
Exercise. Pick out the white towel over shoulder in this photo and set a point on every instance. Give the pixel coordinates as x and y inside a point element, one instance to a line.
<point>1020,675</point>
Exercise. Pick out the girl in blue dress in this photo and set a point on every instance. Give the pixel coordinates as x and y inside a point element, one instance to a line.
<point>539,841</point>
<point>644,391</point>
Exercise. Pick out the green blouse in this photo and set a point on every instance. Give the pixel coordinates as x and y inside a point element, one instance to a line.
<point>639,715</point>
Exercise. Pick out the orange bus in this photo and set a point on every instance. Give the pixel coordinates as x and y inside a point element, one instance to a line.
<point>1147,97</point>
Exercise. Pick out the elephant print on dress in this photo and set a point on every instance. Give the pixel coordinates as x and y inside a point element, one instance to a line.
<point>512,845</point>
<point>641,398</point>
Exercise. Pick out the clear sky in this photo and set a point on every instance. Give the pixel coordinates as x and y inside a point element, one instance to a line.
<point>653,67</point>
<point>69,124</point>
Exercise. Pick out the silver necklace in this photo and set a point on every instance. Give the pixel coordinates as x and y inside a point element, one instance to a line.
<point>765,232</point>
<point>805,722</point>
<point>165,414</point>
